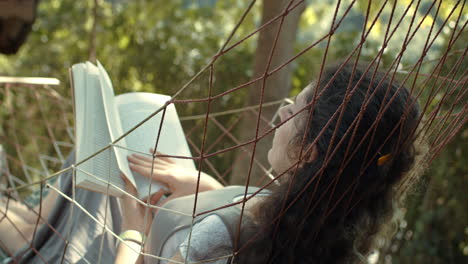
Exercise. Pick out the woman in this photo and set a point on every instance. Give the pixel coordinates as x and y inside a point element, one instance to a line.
<point>341,162</point>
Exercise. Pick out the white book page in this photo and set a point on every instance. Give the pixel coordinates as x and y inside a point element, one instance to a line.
<point>134,108</point>
<point>91,132</point>
<point>113,123</point>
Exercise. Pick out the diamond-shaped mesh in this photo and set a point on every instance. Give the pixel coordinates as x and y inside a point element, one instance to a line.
<point>29,168</point>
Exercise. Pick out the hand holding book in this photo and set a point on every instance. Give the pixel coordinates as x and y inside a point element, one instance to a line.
<point>134,214</point>
<point>180,181</point>
<point>108,128</point>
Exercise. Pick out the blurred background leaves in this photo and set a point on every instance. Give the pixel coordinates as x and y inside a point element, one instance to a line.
<point>157,46</point>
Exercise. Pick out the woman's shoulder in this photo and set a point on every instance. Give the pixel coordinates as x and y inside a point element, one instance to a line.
<point>209,239</point>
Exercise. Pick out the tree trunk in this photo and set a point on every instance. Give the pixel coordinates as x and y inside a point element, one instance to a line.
<point>277,87</point>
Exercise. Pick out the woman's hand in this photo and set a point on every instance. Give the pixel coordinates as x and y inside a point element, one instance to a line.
<point>133,212</point>
<point>179,180</point>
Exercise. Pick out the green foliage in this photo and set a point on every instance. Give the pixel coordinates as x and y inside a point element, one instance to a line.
<point>437,212</point>
<point>157,46</point>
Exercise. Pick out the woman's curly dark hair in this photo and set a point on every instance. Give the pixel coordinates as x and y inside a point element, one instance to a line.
<point>335,204</point>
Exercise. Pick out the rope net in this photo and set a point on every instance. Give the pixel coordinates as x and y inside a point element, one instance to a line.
<point>437,83</point>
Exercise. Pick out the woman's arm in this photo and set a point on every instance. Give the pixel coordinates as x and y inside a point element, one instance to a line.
<point>128,252</point>
<point>133,218</point>
<point>181,181</point>
<point>28,213</point>
<point>14,229</point>
<point>18,221</point>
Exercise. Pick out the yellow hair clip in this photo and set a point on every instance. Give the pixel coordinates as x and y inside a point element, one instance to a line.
<point>383,159</point>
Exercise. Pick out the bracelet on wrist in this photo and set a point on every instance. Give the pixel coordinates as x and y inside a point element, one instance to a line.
<point>131,235</point>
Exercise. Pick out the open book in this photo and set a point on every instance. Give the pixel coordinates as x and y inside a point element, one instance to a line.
<point>102,118</point>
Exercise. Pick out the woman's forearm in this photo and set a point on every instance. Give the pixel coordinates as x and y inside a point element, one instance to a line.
<point>128,252</point>
<point>15,230</point>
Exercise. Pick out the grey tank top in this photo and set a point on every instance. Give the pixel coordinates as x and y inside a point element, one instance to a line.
<point>178,215</point>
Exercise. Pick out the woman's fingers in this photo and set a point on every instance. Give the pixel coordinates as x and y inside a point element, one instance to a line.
<point>157,168</point>
<point>157,196</point>
<point>140,159</point>
<point>143,158</point>
<point>141,169</point>
<point>136,159</point>
<point>156,164</point>
<point>167,159</point>
<point>157,175</point>
<point>148,161</point>
<point>128,185</point>
<point>151,159</point>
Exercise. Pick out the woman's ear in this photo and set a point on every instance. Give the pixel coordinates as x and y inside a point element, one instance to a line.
<point>309,154</point>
